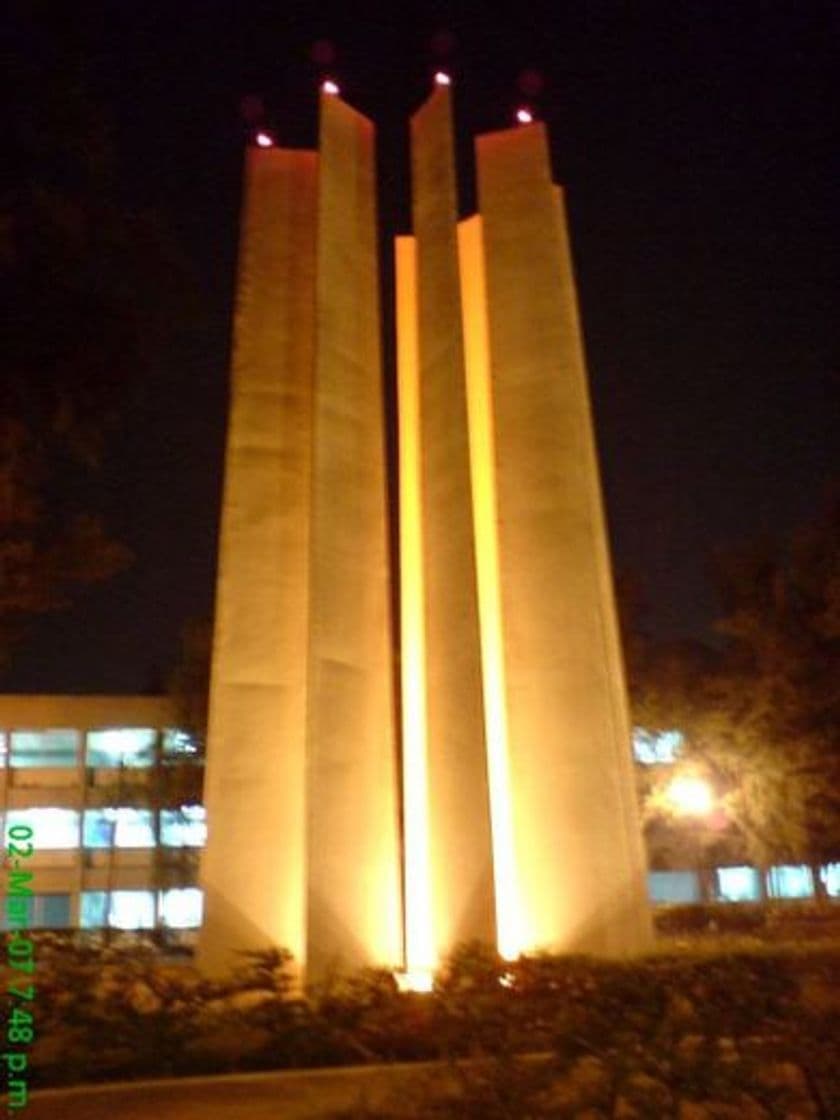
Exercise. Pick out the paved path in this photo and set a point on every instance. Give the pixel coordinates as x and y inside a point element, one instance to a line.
<point>297,1095</point>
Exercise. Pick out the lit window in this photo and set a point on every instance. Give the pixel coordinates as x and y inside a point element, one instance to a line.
<point>4,748</point>
<point>184,827</point>
<point>790,881</point>
<point>830,875</point>
<point>121,827</point>
<point>179,745</point>
<point>53,829</point>
<point>132,910</point>
<point>121,746</point>
<point>92,908</point>
<point>656,747</point>
<point>738,884</point>
<point>673,886</point>
<point>119,910</point>
<point>182,907</point>
<point>53,747</point>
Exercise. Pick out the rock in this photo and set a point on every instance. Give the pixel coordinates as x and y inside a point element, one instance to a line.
<point>784,1075</point>
<point>110,982</point>
<point>624,1110</point>
<point>591,1074</point>
<point>250,998</point>
<point>743,1108</point>
<point>142,999</point>
<point>586,1083</point>
<point>689,1046</point>
<point>682,1009</point>
<point>645,1096</point>
<point>790,1087</point>
<point>727,1051</point>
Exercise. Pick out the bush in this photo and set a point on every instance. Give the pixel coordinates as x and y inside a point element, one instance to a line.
<point>541,1029</point>
<point>771,921</point>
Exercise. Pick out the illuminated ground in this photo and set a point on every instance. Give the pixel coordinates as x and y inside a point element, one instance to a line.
<point>270,1096</point>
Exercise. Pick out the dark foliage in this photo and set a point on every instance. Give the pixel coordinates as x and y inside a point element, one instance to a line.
<point>517,1035</point>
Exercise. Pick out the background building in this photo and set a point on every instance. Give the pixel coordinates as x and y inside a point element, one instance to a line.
<point>81,770</point>
<point>699,859</point>
<point>113,793</point>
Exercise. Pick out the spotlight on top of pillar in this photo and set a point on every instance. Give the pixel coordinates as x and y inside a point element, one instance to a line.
<point>330,87</point>
<point>524,116</point>
<point>264,139</point>
<point>442,78</point>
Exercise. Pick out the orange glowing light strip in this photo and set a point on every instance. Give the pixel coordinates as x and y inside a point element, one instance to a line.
<point>482,469</point>
<point>419,941</point>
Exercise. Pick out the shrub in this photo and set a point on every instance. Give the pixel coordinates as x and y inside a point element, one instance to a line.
<point>523,1037</point>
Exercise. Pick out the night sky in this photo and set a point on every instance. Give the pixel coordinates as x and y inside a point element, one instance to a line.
<point>695,142</point>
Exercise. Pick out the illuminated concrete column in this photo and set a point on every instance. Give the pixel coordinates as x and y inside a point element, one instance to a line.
<point>509,932</point>
<point>353,909</point>
<point>253,868</point>
<point>459,819</point>
<point>420,950</point>
<point>579,858</point>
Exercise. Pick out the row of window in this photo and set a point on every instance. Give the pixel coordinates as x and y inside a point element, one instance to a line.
<point>182,907</point>
<point>111,827</point>
<point>177,908</point>
<point>743,884</point>
<point>135,747</point>
<point>109,747</point>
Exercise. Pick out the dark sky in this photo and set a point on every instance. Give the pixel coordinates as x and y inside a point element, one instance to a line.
<point>695,142</point>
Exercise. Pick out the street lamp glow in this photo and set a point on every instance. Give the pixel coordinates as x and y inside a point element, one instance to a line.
<point>330,87</point>
<point>264,140</point>
<point>691,796</point>
<point>442,79</point>
<point>524,116</point>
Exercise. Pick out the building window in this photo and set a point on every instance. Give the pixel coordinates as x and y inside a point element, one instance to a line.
<point>182,907</point>
<point>92,909</point>
<point>121,746</point>
<point>4,748</point>
<point>45,911</point>
<point>673,886</point>
<point>656,747</point>
<point>53,747</point>
<point>738,884</point>
<point>51,911</point>
<point>120,827</point>
<point>830,875</point>
<point>55,829</point>
<point>119,910</point>
<point>790,882</point>
<point>184,827</point>
<point>179,746</point>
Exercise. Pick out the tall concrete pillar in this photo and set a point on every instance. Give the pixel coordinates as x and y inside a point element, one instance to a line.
<point>578,847</point>
<point>420,938</point>
<point>518,804</point>
<point>354,913</point>
<point>459,817</point>
<point>253,868</point>
<point>301,784</point>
